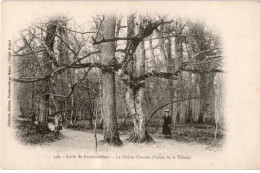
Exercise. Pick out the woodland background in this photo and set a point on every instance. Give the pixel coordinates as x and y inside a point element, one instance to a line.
<point>116,74</point>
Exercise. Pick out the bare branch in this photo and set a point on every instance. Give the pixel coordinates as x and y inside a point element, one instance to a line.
<point>203,52</point>
<point>98,29</point>
<point>179,100</point>
<point>131,47</point>
<point>36,69</point>
<point>218,58</point>
<point>86,56</point>
<point>31,53</point>
<point>87,32</point>
<point>31,80</point>
<point>103,40</point>
<point>66,44</point>
<point>157,74</point>
<point>201,71</point>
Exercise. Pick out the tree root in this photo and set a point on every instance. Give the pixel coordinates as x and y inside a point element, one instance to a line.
<point>114,141</point>
<point>136,139</point>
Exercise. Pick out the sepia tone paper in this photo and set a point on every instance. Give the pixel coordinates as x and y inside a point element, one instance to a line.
<point>237,23</point>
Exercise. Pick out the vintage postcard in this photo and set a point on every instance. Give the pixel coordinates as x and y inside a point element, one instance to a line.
<point>130,85</point>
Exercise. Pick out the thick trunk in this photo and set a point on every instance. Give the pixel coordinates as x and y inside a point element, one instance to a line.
<point>111,135</point>
<point>206,90</point>
<point>44,99</point>
<point>62,85</point>
<point>44,105</point>
<point>218,99</point>
<point>135,96</point>
<point>42,126</point>
<point>43,110</point>
<point>110,130</point>
<point>52,96</point>
<point>44,102</point>
<point>134,101</point>
<point>207,99</point>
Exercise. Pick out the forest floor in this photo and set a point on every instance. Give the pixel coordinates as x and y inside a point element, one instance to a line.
<point>72,140</point>
<point>187,133</point>
<point>27,133</point>
<point>82,141</point>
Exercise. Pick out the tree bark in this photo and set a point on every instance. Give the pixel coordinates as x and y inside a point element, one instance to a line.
<point>44,100</point>
<point>178,59</point>
<point>134,101</point>
<point>170,69</point>
<point>135,96</point>
<point>162,50</point>
<point>189,114</point>
<point>110,130</point>
<point>206,81</point>
<point>207,102</point>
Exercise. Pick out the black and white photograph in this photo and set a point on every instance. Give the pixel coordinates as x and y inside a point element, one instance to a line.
<point>130,85</point>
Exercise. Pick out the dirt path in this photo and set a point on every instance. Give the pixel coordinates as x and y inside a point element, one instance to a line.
<point>67,153</point>
<point>78,141</point>
<point>64,153</point>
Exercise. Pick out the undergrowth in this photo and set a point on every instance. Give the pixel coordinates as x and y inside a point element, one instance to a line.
<point>28,134</point>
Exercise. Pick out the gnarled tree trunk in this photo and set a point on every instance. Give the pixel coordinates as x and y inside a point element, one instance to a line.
<point>134,101</point>
<point>135,95</point>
